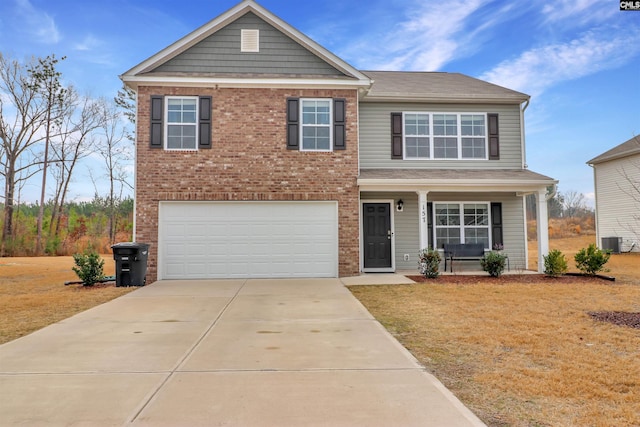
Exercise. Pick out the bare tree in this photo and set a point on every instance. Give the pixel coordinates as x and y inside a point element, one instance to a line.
<point>574,204</point>
<point>46,81</point>
<point>116,152</point>
<point>126,101</point>
<point>75,142</point>
<point>22,117</point>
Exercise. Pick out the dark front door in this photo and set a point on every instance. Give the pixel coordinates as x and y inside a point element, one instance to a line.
<point>377,235</point>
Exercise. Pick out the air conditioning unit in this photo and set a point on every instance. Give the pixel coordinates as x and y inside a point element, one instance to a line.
<point>612,244</point>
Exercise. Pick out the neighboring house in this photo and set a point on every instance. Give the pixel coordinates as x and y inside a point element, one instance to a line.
<point>261,154</point>
<point>616,175</point>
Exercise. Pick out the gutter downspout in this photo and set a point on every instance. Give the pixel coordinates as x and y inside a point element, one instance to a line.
<point>524,144</point>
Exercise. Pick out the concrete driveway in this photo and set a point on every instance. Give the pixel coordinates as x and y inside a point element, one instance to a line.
<point>224,353</point>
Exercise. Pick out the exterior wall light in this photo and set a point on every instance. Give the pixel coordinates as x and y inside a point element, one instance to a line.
<point>400,205</point>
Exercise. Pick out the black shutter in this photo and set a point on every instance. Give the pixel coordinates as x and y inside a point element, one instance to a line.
<point>204,122</point>
<point>431,243</point>
<point>157,113</point>
<point>396,135</point>
<point>339,121</point>
<point>496,224</point>
<point>293,123</point>
<point>494,139</point>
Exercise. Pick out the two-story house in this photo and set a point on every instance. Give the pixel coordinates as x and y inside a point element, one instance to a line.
<point>259,153</point>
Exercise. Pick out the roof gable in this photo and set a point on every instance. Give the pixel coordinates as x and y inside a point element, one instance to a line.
<point>181,58</point>
<point>625,149</point>
<point>220,53</point>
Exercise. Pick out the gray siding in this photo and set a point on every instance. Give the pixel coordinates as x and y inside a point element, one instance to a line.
<point>220,53</point>
<point>616,208</point>
<point>407,240</point>
<point>375,136</point>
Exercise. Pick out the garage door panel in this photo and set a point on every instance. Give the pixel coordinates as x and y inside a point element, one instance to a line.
<point>248,239</point>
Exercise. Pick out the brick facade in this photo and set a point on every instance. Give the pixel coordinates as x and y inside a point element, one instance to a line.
<point>248,162</point>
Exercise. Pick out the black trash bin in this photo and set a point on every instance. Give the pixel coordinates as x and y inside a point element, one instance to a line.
<point>131,263</point>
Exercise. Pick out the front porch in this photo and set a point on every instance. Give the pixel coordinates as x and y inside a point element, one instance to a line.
<point>428,208</point>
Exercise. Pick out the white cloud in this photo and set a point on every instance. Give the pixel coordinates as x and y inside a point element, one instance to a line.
<point>87,44</point>
<point>38,23</point>
<point>579,12</point>
<point>427,35</point>
<point>431,37</point>
<point>540,68</point>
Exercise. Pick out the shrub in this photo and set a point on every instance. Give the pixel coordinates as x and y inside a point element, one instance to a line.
<point>89,267</point>
<point>429,263</point>
<point>591,260</point>
<point>555,264</point>
<point>493,263</point>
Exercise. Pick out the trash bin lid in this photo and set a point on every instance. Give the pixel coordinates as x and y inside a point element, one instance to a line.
<point>130,245</point>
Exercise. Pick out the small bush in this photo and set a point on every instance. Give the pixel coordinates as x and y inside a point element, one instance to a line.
<point>591,260</point>
<point>89,267</point>
<point>555,264</point>
<point>493,263</point>
<point>429,263</point>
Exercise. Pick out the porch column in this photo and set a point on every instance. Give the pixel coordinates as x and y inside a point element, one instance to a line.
<point>543,228</point>
<point>423,220</point>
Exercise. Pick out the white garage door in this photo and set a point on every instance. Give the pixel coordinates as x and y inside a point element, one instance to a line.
<point>247,239</point>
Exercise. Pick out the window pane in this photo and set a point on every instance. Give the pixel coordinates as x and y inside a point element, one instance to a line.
<point>445,124</point>
<point>472,124</point>
<point>447,235</point>
<point>189,117</point>
<point>447,214</point>
<point>445,148</point>
<point>416,124</point>
<point>417,147</point>
<point>473,148</point>
<point>181,110</point>
<point>181,136</point>
<point>477,235</point>
<point>308,118</point>
<point>476,214</point>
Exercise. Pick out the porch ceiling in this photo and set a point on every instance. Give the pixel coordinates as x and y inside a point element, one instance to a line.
<point>467,180</point>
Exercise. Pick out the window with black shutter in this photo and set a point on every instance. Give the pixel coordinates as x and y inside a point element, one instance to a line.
<point>180,122</point>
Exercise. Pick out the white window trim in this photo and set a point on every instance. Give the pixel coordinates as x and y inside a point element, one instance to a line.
<point>462,226</point>
<point>166,123</point>
<point>330,125</point>
<point>431,136</point>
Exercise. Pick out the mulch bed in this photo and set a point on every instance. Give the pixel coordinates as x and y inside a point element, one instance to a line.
<point>620,318</point>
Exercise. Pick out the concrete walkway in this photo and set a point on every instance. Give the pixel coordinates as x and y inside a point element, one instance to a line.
<point>225,353</point>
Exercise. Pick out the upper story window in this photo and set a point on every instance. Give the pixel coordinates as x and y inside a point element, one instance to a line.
<point>316,125</point>
<point>181,123</point>
<point>438,136</point>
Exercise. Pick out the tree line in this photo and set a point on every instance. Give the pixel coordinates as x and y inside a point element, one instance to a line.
<point>46,130</point>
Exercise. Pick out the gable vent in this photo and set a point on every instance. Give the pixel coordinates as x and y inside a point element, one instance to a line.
<point>250,41</point>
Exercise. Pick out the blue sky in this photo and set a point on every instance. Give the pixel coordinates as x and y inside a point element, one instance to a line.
<point>579,59</point>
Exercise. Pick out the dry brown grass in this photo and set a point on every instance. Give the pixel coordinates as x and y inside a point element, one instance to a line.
<point>33,295</point>
<point>525,354</point>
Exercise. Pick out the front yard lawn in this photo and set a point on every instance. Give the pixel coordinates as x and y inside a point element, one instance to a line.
<point>522,350</point>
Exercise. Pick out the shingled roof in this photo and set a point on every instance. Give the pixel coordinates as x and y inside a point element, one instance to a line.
<point>437,87</point>
<point>625,149</point>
